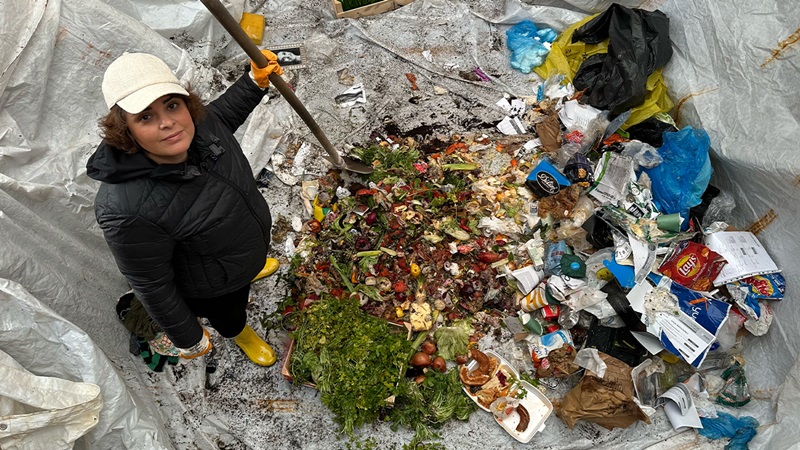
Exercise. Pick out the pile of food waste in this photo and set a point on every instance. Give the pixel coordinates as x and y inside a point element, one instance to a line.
<point>587,233</point>
<point>424,239</point>
<point>420,249</point>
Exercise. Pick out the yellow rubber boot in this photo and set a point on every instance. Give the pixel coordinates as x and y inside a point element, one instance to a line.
<point>255,348</point>
<point>270,267</point>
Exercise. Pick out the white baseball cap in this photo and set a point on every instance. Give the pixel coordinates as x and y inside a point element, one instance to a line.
<point>134,80</point>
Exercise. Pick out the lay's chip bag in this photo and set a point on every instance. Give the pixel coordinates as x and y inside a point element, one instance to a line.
<point>748,291</point>
<point>693,265</point>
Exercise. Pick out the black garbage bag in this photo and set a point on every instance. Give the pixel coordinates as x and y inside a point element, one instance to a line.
<point>638,45</point>
<point>590,74</point>
<point>651,130</point>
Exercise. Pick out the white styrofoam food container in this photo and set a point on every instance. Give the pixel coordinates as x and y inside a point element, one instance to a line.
<point>538,406</point>
<point>502,365</point>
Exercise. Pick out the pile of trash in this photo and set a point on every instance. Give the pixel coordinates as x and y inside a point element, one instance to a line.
<point>586,231</point>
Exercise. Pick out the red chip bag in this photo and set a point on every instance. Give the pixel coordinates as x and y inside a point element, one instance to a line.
<point>693,265</point>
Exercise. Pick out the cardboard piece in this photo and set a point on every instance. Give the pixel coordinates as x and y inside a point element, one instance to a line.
<point>606,401</point>
<point>515,327</point>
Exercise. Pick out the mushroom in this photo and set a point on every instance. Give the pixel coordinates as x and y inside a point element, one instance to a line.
<point>384,284</point>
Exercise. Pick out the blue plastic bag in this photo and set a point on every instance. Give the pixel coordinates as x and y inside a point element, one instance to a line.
<point>740,430</point>
<point>526,43</point>
<point>680,180</point>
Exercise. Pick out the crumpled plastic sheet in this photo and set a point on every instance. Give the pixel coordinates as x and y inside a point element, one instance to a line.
<point>44,413</point>
<point>47,345</point>
<point>737,86</point>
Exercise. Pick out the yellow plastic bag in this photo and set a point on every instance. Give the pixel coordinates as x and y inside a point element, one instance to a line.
<point>566,58</point>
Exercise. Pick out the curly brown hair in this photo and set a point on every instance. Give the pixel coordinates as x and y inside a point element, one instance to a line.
<point>114,128</point>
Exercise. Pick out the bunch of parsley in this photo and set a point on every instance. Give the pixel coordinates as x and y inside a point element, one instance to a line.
<point>427,406</point>
<point>355,360</point>
<point>394,164</point>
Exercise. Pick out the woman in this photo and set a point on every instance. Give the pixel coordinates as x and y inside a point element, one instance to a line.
<point>178,204</point>
<point>287,57</point>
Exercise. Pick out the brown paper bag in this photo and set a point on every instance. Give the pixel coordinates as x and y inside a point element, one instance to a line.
<point>606,401</point>
<point>549,132</point>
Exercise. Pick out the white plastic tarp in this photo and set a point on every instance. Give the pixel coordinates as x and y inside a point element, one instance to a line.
<point>733,73</point>
<point>44,413</point>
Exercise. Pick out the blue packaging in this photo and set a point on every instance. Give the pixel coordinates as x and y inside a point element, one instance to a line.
<point>528,45</point>
<point>747,292</point>
<point>709,313</point>
<point>554,252</point>
<point>545,180</point>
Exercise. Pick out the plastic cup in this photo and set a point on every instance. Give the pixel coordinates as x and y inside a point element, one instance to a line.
<point>669,222</point>
<point>529,322</point>
<point>534,300</point>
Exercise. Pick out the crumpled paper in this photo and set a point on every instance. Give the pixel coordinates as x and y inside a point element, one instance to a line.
<point>606,401</point>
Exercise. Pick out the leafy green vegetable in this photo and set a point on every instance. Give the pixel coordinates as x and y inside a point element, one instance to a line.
<point>361,443</point>
<point>427,406</point>
<point>525,376</point>
<point>354,359</point>
<point>395,164</point>
<point>366,263</point>
<point>465,167</point>
<point>456,180</point>
<point>370,291</point>
<point>357,362</point>
<point>438,202</point>
<point>344,273</point>
<point>512,209</point>
<point>425,446</point>
<point>450,226</point>
<point>465,324</point>
<point>521,391</point>
<point>353,4</point>
<point>451,341</point>
<point>275,319</point>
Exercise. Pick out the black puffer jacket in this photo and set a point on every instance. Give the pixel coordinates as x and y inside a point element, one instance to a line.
<point>194,230</point>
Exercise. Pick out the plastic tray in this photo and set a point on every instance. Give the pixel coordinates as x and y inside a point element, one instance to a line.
<point>503,365</point>
<point>539,408</point>
<point>285,366</point>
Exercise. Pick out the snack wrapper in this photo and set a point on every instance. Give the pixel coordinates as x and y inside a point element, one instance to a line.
<point>693,265</point>
<point>747,292</point>
<point>541,346</point>
<point>555,250</point>
<point>579,170</point>
<point>545,180</point>
<point>709,313</point>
